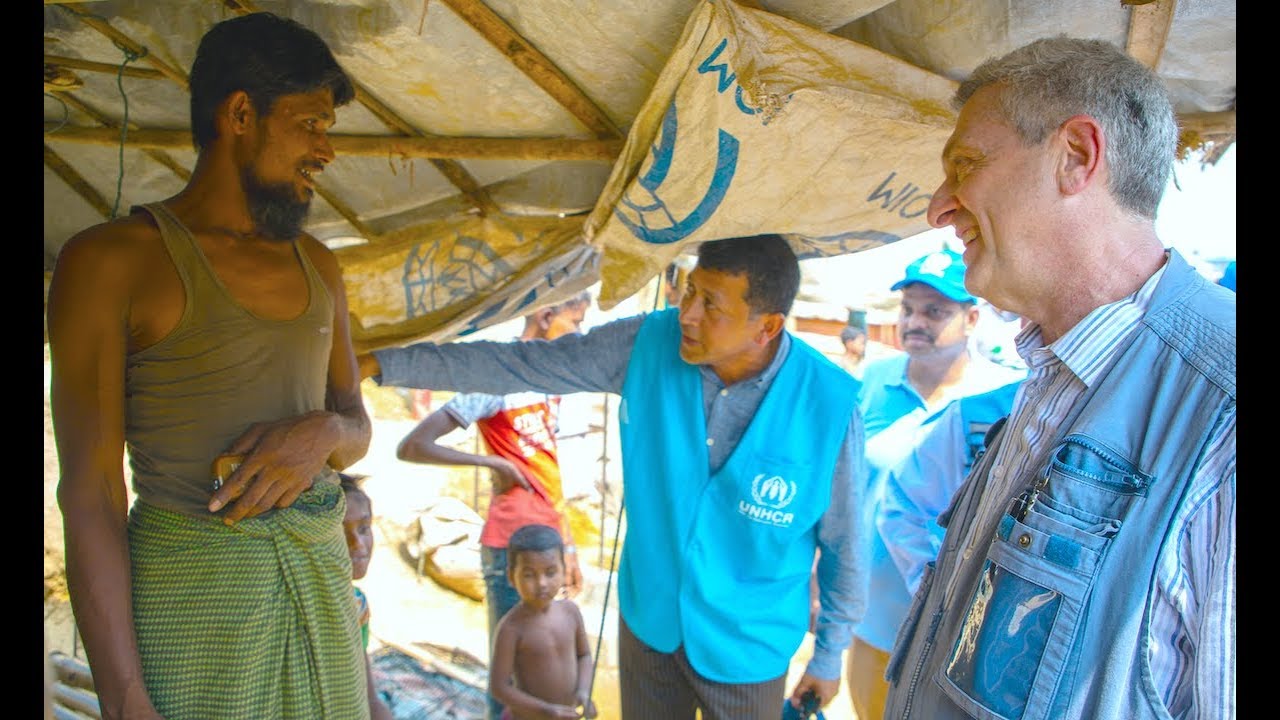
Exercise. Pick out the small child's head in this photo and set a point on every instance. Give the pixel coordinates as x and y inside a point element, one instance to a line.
<point>357,524</point>
<point>535,564</point>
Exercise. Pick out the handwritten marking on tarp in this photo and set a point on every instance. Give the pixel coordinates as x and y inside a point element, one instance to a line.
<point>903,200</point>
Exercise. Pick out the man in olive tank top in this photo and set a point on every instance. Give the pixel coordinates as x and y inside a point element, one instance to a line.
<point>202,326</point>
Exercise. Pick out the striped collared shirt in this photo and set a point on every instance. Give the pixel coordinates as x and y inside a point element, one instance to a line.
<point>1192,651</point>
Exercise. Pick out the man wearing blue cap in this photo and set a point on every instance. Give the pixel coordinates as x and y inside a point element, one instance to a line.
<point>936,318</point>
<point>1228,279</point>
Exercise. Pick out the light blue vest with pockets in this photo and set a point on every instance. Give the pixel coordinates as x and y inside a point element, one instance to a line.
<point>720,563</point>
<point>1054,623</point>
<point>979,413</point>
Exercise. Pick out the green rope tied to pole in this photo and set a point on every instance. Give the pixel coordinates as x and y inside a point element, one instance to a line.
<point>129,56</point>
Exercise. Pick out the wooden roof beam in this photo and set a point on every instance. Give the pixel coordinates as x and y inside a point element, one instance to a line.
<point>127,43</point>
<point>452,170</point>
<point>483,148</point>
<point>178,169</point>
<point>537,66</point>
<point>76,181</point>
<point>346,212</point>
<point>77,63</point>
<point>158,155</point>
<point>1209,133</point>
<point>1149,23</point>
<point>1210,123</point>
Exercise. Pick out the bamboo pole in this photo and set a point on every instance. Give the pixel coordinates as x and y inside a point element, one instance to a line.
<point>126,42</point>
<point>1213,123</point>
<point>159,156</point>
<point>76,181</point>
<point>535,65</point>
<point>79,64</point>
<point>1149,23</point>
<point>380,145</point>
<point>452,170</point>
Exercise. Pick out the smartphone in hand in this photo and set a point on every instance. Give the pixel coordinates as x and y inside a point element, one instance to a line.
<point>223,466</point>
<point>808,708</point>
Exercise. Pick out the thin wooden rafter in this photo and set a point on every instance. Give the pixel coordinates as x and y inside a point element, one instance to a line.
<point>127,43</point>
<point>382,145</point>
<point>538,67</point>
<point>158,155</point>
<point>1149,24</point>
<point>78,64</point>
<point>56,163</point>
<point>182,172</point>
<point>452,170</point>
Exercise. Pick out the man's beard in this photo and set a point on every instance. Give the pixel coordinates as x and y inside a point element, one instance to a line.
<point>276,211</point>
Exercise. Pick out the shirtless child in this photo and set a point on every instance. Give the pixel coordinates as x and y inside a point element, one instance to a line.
<point>541,659</point>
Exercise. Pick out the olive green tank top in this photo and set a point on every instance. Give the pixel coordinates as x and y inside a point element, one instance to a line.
<point>220,370</point>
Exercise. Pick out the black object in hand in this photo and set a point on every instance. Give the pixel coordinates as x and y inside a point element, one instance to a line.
<point>808,708</point>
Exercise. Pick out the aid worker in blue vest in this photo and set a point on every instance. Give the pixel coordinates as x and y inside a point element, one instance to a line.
<point>938,328</point>
<point>742,457</point>
<point>920,488</point>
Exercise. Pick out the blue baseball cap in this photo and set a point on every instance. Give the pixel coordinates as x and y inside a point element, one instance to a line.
<point>1228,279</point>
<point>942,270</point>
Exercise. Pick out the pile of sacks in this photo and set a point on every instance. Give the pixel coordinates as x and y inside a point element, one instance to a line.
<point>444,540</point>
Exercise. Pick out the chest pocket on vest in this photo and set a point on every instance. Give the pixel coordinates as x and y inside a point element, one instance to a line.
<point>771,502</point>
<point>1014,647</point>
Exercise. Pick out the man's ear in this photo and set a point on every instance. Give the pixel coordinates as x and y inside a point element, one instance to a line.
<point>771,324</point>
<point>971,317</point>
<point>1082,144</point>
<point>236,112</point>
<point>543,318</point>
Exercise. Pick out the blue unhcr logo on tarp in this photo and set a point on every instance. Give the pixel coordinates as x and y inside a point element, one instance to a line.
<point>655,223</point>
<point>469,264</point>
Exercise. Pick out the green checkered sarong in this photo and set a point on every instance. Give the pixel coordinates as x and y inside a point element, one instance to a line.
<point>254,621</point>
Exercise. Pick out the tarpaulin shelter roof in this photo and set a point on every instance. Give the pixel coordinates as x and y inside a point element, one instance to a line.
<point>497,153</point>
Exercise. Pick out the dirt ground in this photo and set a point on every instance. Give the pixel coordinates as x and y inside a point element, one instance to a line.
<point>408,608</point>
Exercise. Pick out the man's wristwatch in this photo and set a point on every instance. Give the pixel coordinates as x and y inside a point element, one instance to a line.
<point>570,549</point>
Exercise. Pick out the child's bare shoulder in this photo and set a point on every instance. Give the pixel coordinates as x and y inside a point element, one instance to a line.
<point>569,610</point>
<point>513,621</point>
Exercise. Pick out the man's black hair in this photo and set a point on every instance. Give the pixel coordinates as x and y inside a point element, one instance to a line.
<point>266,56</point>
<point>771,267</point>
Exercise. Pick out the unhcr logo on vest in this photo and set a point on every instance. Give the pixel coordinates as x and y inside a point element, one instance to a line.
<point>771,495</point>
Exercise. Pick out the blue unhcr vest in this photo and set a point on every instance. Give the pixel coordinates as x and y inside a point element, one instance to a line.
<point>979,414</point>
<point>888,597</point>
<point>720,563</point>
<point>1054,622</point>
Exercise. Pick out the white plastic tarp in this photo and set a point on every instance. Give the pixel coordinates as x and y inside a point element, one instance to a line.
<point>759,124</point>
<point>447,279</point>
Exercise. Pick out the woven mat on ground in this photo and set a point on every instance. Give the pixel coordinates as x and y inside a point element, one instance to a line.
<point>415,692</point>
